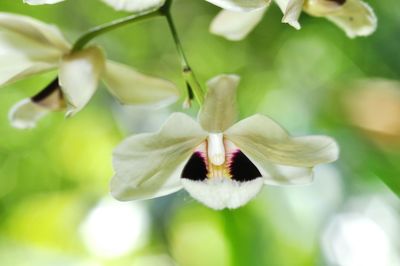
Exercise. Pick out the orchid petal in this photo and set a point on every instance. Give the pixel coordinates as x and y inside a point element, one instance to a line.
<point>234,25</point>
<point>23,55</point>
<point>79,76</point>
<point>150,165</point>
<point>132,87</point>
<point>355,17</point>
<point>14,45</point>
<point>291,11</point>
<point>18,69</point>
<point>34,30</point>
<point>240,5</point>
<point>134,5</point>
<point>41,2</point>
<point>263,140</point>
<point>219,109</point>
<point>277,175</point>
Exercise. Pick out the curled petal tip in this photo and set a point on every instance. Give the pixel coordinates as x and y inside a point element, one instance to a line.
<point>294,23</point>
<point>25,114</point>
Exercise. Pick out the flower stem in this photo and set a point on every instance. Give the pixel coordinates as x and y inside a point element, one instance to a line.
<point>194,88</point>
<point>193,85</point>
<point>101,29</point>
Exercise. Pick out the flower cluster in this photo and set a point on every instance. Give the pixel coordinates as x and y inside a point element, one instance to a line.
<point>218,161</point>
<point>239,17</point>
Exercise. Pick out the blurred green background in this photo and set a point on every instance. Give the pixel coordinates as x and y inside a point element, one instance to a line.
<point>54,203</point>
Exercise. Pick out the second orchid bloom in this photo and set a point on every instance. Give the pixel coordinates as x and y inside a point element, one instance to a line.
<point>354,17</point>
<point>30,47</point>
<point>239,17</point>
<point>220,163</point>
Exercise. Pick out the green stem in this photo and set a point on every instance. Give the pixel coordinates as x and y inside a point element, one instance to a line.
<point>96,31</point>
<point>190,78</point>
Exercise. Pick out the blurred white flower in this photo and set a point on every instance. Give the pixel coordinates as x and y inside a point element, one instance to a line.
<point>365,234</point>
<point>355,17</point>
<point>30,47</point>
<point>220,163</point>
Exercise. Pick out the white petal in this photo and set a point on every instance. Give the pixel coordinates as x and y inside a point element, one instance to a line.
<point>275,174</point>
<point>14,45</point>
<point>220,193</point>
<point>240,5</point>
<point>150,165</point>
<point>234,25</point>
<point>263,140</point>
<point>22,55</point>
<point>134,5</point>
<point>34,30</point>
<point>79,76</point>
<point>41,2</point>
<point>132,87</point>
<point>19,69</point>
<point>25,114</point>
<point>219,108</point>
<point>355,17</point>
<point>291,10</point>
<point>292,13</point>
<point>282,4</point>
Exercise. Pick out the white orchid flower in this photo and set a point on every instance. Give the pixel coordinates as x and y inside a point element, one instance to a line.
<point>355,17</point>
<point>29,47</point>
<point>218,162</point>
<point>119,5</point>
<point>142,5</point>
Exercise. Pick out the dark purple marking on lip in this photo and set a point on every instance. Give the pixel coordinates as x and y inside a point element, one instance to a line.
<point>242,169</point>
<point>196,168</point>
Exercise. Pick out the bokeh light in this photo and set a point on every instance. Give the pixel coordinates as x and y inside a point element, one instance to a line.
<point>114,229</point>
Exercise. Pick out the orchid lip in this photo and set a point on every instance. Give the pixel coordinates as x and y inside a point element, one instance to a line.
<point>51,97</point>
<point>228,185</point>
<point>46,92</point>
